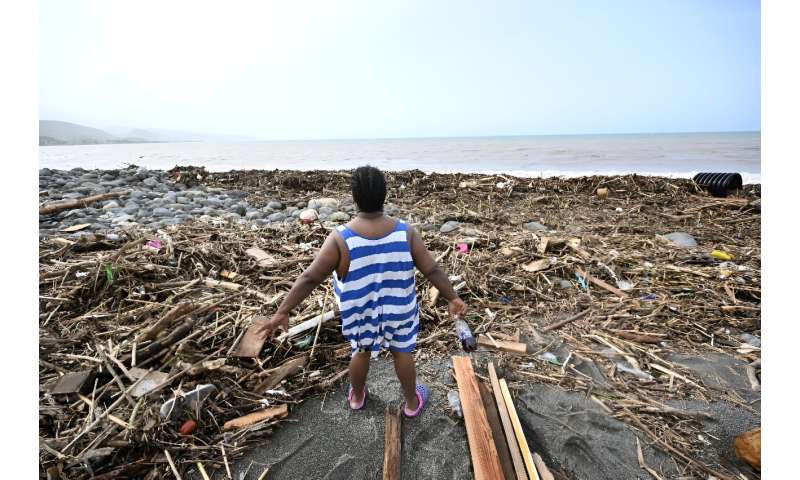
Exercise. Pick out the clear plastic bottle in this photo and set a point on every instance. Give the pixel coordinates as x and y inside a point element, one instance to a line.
<point>455,403</point>
<point>464,334</point>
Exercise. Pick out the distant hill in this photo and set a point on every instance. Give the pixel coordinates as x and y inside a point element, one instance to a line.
<point>54,132</point>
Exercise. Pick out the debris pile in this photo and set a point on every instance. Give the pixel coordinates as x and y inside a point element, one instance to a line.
<point>146,365</point>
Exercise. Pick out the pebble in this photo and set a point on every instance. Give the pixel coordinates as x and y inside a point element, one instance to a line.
<point>450,226</point>
<point>681,239</point>
<point>150,181</point>
<point>277,217</point>
<point>238,209</point>
<point>534,227</point>
<point>110,204</point>
<point>326,210</point>
<point>253,214</point>
<point>339,217</point>
<point>275,205</point>
<point>161,212</point>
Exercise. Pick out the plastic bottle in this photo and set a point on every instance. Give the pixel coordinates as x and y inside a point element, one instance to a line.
<point>468,342</point>
<point>455,403</point>
<point>550,357</point>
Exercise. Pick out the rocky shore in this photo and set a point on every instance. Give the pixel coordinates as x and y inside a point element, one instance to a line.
<point>156,200</point>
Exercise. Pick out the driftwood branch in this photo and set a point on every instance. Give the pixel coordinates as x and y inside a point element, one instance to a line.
<point>78,202</point>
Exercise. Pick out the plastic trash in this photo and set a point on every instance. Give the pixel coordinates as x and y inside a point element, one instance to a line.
<point>625,367</point>
<point>549,357</point>
<point>680,239</point>
<point>649,297</point>
<point>464,334</point>
<point>153,245</point>
<point>462,248</point>
<point>719,184</point>
<point>720,255</point>
<point>582,281</point>
<point>455,403</point>
<point>189,400</point>
<point>750,340</point>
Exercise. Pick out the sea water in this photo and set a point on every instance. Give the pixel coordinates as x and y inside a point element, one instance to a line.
<point>677,155</point>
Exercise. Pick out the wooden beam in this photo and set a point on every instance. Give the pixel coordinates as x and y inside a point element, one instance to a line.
<point>503,345</point>
<point>392,445</point>
<point>497,430</point>
<point>485,461</point>
<point>508,428</point>
<point>533,474</point>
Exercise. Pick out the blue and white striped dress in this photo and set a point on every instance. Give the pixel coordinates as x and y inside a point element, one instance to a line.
<point>378,296</point>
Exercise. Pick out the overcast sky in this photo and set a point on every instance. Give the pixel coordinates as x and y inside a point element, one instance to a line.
<point>363,69</point>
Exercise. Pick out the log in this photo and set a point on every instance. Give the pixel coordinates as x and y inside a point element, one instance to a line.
<point>279,411</point>
<point>78,203</point>
<point>503,345</point>
<point>163,322</point>
<point>560,324</point>
<point>485,461</point>
<point>533,474</point>
<point>392,445</point>
<point>286,369</point>
<point>500,442</point>
<point>508,428</point>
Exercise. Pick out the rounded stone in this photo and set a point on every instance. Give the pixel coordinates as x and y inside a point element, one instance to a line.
<point>275,205</point>
<point>150,181</point>
<point>253,214</point>
<point>450,226</point>
<point>161,212</point>
<point>339,217</point>
<point>534,227</point>
<point>239,209</point>
<point>277,217</point>
<point>110,204</point>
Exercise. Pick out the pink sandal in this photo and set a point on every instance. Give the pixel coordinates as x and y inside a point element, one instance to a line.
<point>350,397</point>
<point>422,398</point>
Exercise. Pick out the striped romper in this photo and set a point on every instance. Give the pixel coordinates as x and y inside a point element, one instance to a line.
<point>378,297</point>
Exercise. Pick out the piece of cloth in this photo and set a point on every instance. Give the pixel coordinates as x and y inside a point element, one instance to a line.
<point>378,296</point>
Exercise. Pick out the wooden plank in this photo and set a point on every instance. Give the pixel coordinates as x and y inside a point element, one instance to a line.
<point>485,461</point>
<point>497,430</point>
<point>502,345</point>
<point>541,468</point>
<point>601,284</point>
<point>286,369</point>
<point>508,428</point>
<point>307,325</point>
<point>392,445</point>
<point>250,345</point>
<point>533,474</point>
<point>279,411</point>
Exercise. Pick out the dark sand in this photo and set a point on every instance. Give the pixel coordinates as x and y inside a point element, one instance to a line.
<point>325,440</point>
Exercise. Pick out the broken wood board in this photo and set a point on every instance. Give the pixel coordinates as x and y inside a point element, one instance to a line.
<point>533,474</point>
<point>252,341</point>
<point>508,428</point>
<point>73,382</point>
<point>500,442</point>
<point>502,345</point>
<point>279,411</point>
<point>262,258</point>
<point>286,369</point>
<point>541,264</point>
<point>541,468</point>
<point>149,381</point>
<point>601,284</point>
<point>163,322</point>
<point>392,445</point>
<point>485,461</point>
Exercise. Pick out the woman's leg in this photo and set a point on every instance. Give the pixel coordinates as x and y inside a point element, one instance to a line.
<point>407,374</point>
<point>359,367</point>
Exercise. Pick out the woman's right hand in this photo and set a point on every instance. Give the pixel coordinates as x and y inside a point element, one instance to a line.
<point>278,320</point>
<point>456,307</point>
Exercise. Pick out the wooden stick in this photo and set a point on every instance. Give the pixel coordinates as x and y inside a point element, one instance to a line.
<point>287,368</point>
<point>560,324</point>
<point>279,411</point>
<point>503,345</point>
<point>202,471</point>
<point>78,202</point>
<point>508,428</point>
<point>497,430</point>
<point>601,284</point>
<point>392,445</point>
<point>307,325</point>
<point>172,465</point>
<point>533,474</point>
<point>485,461</point>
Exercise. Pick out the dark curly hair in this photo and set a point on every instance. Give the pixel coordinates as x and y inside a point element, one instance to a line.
<point>369,189</point>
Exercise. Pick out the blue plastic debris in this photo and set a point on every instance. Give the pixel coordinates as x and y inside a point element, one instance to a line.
<point>582,281</point>
<point>649,297</point>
